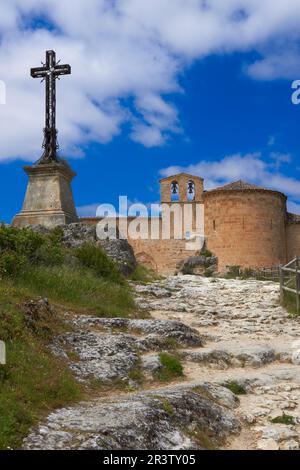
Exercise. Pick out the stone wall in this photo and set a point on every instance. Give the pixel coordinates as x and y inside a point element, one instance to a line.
<point>293,240</point>
<point>160,255</point>
<point>246,228</point>
<point>242,228</point>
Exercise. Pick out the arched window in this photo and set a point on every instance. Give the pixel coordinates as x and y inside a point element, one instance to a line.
<point>174,191</point>
<point>191,191</point>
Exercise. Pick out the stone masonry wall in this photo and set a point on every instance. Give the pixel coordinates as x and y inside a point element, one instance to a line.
<point>293,240</point>
<point>246,228</point>
<point>160,255</point>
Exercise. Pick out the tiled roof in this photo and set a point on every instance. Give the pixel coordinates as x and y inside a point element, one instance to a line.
<point>238,185</point>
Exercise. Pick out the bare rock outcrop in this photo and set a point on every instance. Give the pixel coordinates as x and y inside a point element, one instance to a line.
<point>171,418</point>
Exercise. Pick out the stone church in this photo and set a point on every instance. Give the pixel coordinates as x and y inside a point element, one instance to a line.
<point>244,225</point>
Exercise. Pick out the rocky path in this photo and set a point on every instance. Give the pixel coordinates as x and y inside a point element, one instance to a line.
<point>228,334</point>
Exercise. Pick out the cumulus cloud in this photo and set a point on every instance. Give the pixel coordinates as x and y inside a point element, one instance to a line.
<point>127,57</point>
<point>251,167</point>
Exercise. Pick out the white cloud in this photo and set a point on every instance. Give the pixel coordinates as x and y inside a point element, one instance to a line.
<point>124,52</point>
<point>250,167</point>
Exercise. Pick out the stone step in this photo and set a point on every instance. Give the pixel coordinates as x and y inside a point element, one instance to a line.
<point>223,358</point>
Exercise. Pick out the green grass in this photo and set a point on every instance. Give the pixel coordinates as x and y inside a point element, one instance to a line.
<point>284,419</point>
<point>79,289</point>
<point>236,388</point>
<point>33,382</point>
<point>289,303</point>
<point>172,368</point>
<point>144,275</point>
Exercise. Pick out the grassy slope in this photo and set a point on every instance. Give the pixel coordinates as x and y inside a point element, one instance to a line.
<point>34,381</point>
<point>78,289</point>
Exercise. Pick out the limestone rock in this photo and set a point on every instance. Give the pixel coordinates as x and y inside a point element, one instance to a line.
<point>267,444</point>
<point>38,314</point>
<point>105,357</point>
<point>75,235</point>
<point>121,252</point>
<point>151,363</point>
<point>199,265</point>
<point>140,421</point>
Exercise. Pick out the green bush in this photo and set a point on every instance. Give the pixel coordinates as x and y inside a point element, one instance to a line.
<point>289,302</point>
<point>143,275</point>
<point>233,272</point>
<point>49,254</point>
<point>206,253</point>
<point>11,263</point>
<point>23,241</point>
<point>93,257</point>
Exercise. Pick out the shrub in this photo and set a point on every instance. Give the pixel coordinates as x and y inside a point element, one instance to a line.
<point>23,241</point>
<point>206,254</point>
<point>49,254</point>
<point>233,272</point>
<point>142,274</point>
<point>11,263</point>
<point>289,302</point>
<point>93,257</point>
<point>56,235</point>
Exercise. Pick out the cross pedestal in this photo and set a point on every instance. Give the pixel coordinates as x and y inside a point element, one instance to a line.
<point>49,198</point>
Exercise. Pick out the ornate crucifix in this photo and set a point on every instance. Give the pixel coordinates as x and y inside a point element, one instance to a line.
<point>50,71</point>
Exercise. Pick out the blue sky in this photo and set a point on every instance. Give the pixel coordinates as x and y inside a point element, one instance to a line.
<point>223,113</point>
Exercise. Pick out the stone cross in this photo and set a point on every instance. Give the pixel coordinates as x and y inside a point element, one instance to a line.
<point>50,71</point>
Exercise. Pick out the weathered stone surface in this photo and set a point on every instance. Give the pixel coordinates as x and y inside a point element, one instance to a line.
<point>156,331</point>
<point>110,354</point>
<point>267,444</point>
<point>49,199</point>
<point>105,357</point>
<point>151,363</point>
<point>121,252</point>
<point>38,313</point>
<point>199,265</point>
<point>167,420</point>
<point>77,234</point>
<point>249,344</point>
<point>209,356</point>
